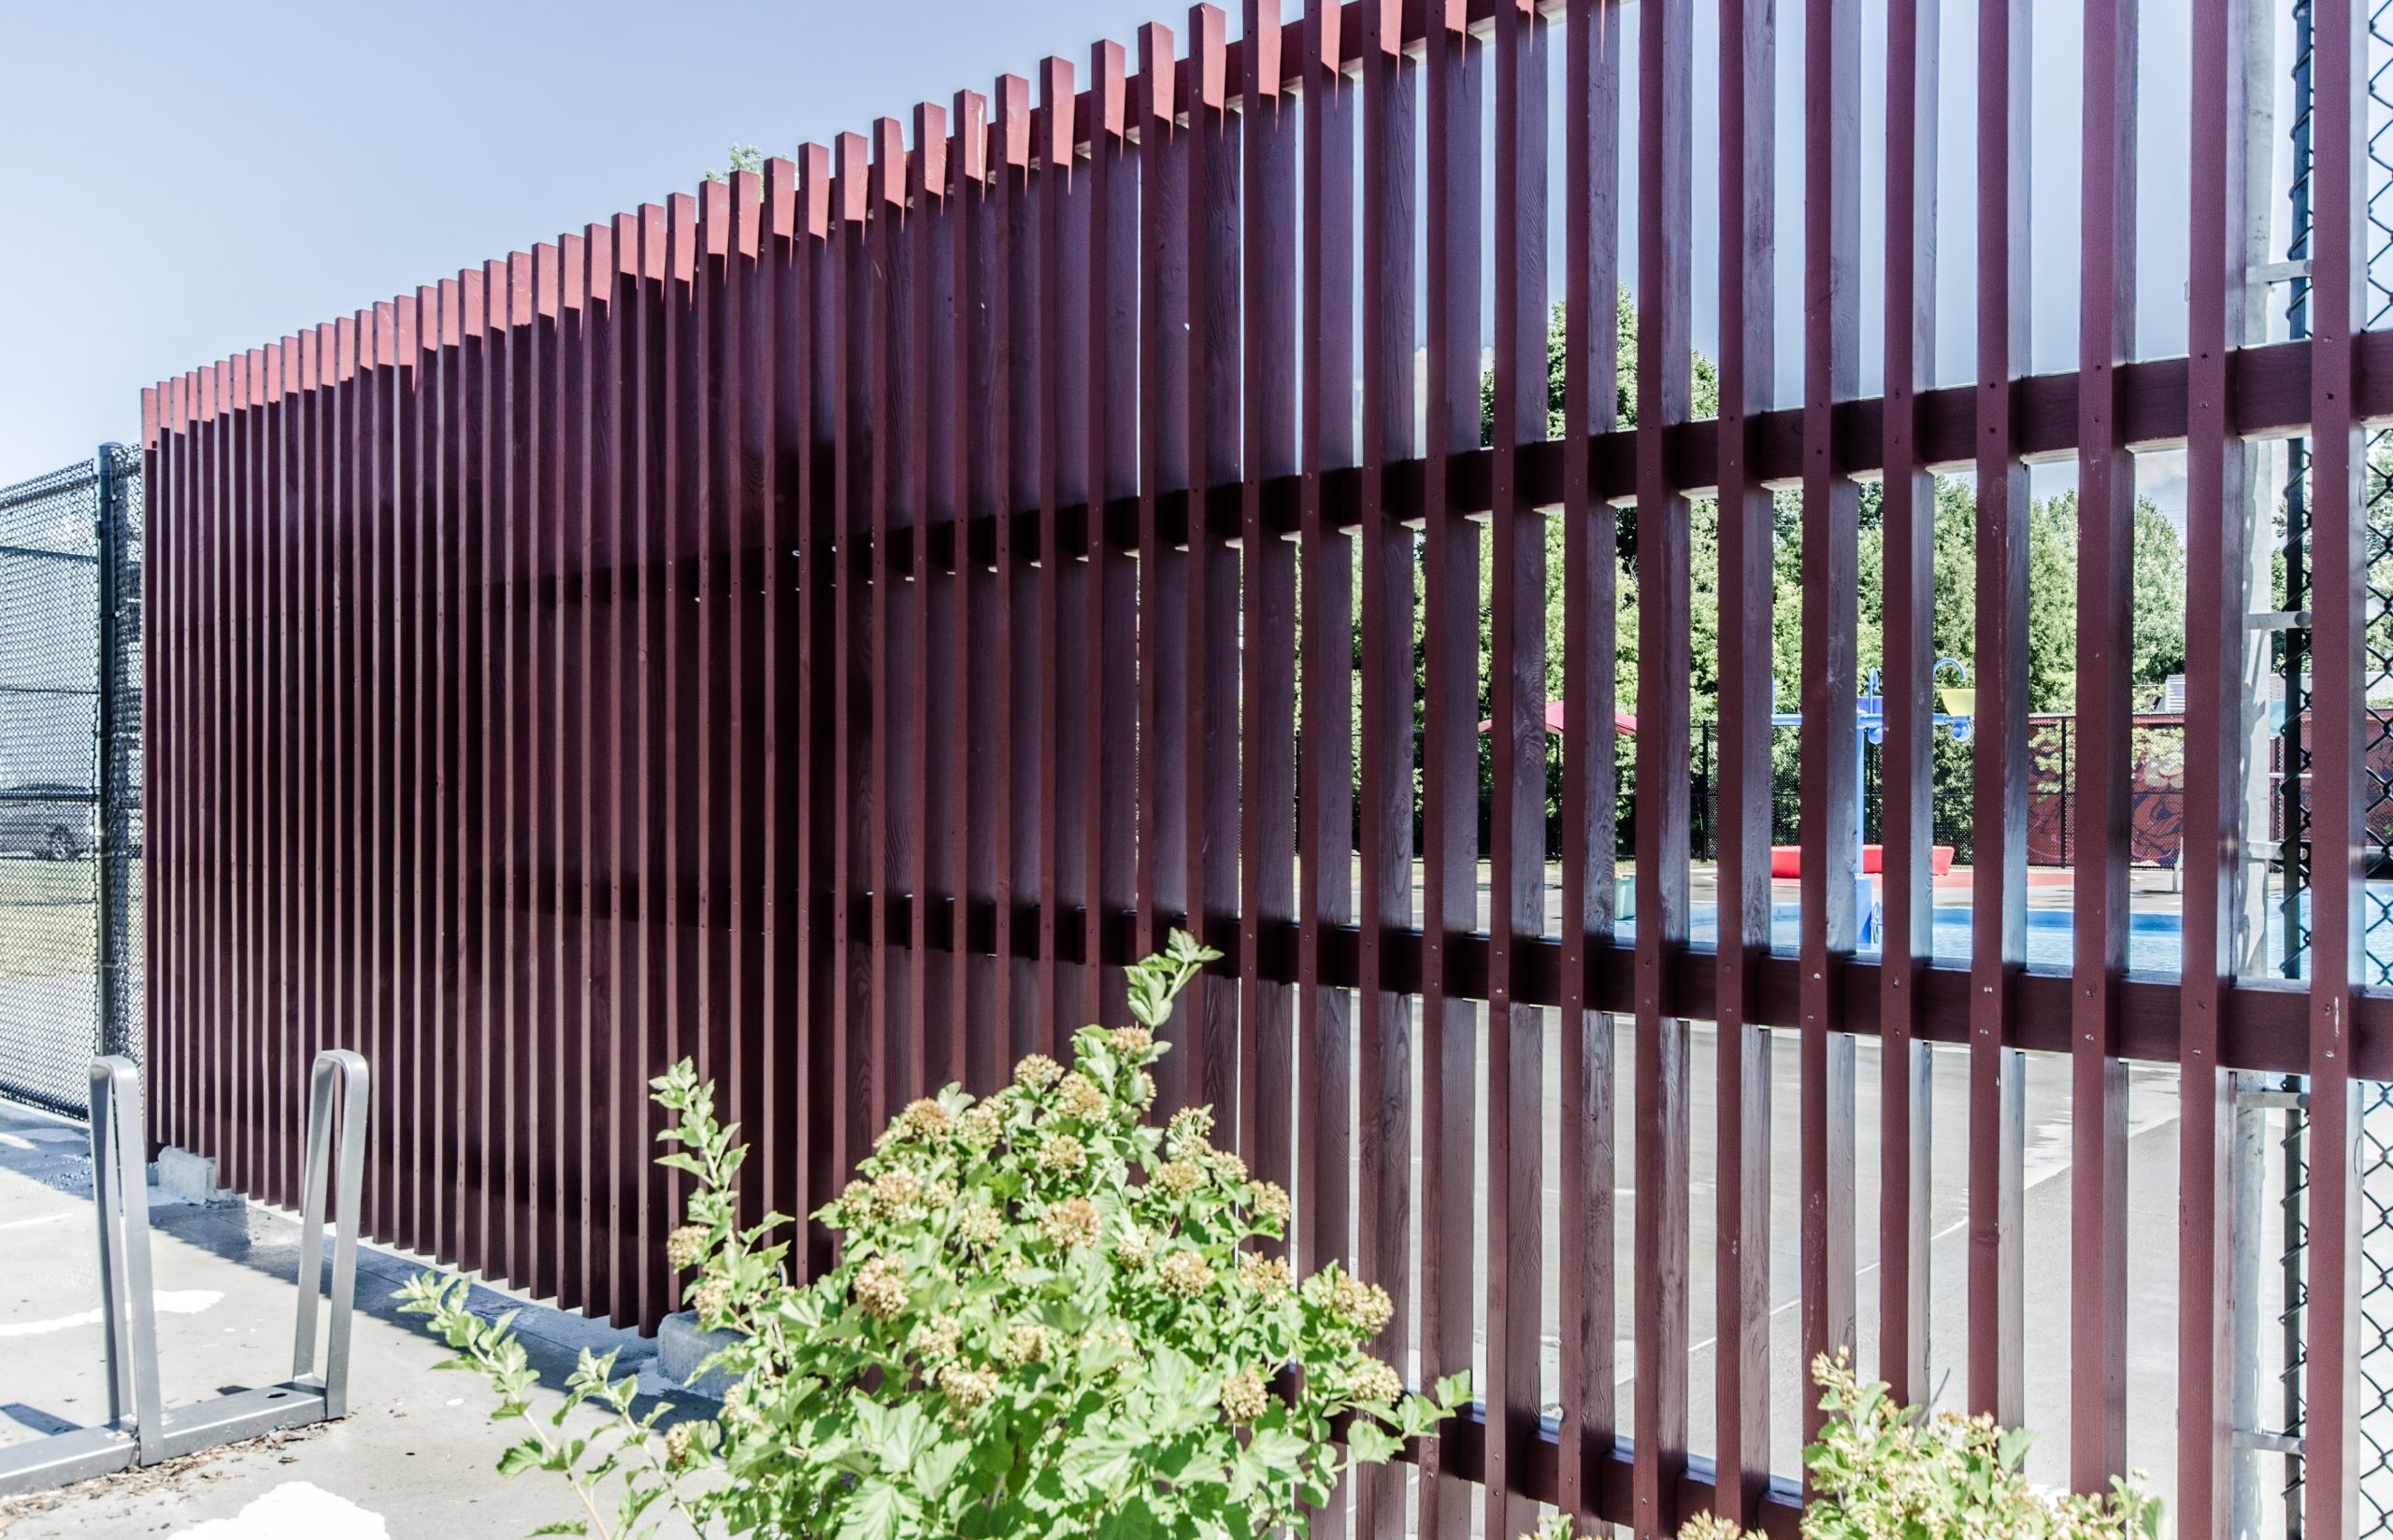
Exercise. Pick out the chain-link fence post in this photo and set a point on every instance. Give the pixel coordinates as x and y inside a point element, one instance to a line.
<point>113,908</point>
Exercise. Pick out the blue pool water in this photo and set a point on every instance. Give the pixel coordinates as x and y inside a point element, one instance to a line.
<point>2155,940</point>
<point>2154,936</point>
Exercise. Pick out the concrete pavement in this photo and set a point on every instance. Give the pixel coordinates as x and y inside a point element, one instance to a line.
<point>416,1456</point>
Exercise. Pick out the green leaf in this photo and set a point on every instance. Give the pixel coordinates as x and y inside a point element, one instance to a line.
<point>563,1526</point>
<point>905,1434</point>
<point>1369,1444</point>
<point>875,1511</point>
<point>1099,1463</point>
<point>937,1465</point>
<point>1276,1447</point>
<point>522,1456</point>
<point>1133,1520</point>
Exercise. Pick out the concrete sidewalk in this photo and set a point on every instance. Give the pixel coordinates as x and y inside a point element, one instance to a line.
<point>416,1456</point>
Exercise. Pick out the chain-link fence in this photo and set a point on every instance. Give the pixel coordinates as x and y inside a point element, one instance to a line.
<point>70,790</point>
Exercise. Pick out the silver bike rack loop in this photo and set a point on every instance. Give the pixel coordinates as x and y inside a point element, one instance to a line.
<point>139,1432</point>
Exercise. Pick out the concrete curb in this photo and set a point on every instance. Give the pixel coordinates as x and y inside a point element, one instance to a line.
<point>681,1345</point>
<point>186,1177</point>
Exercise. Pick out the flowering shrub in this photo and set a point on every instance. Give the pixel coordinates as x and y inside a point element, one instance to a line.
<point>1049,1318</point>
<point>1882,1473</point>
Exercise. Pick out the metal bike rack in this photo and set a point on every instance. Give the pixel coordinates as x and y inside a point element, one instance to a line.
<point>139,1431</point>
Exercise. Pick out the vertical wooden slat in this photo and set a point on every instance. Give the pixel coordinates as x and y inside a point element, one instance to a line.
<point>780,926</point>
<point>491,1010</point>
<point>467,765</point>
<point>191,978</point>
<point>1164,460</point>
<point>441,1165</point>
<point>811,408</point>
<point>1664,396</point>
<point>2218,518</point>
<point>1830,854</point>
<point>854,1091</point>
<point>1516,696</point>
<point>239,809</point>
<point>606,598</point>
<point>169,897</point>
<point>1748,591</point>
<point>160,439</point>
<point>1450,780</point>
<point>2105,620</point>
<point>154,461</point>
<point>393,374</point>
<point>418,796</point>
<point>885,210</point>
<point>1052,138</point>
<point>243,425</point>
<point>1210,212</point>
<point>518,952</point>
<point>1010,174</point>
<point>1324,797</point>
<point>1384,1065</point>
<point>1267,786</point>
<point>714,377</point>
<point>194,1015</point>
<point>744,428</point>
<point>279,1104</point>
<point>181,550</point>
<point>568,1004</point>
<point>461,548</point>
<point>552,1035</point>
<point>373,705</point>
<point>780,1007</point>
<point>393,443</point>
<point>1108,842</point>
<point>2331,1457</point>
<point>968,171</point>
<point>252,510</point>
<point>277,1023</point>
<point>419,334</point>
<point>583,586</point>
<point>1999,741</point>
<point>215,389</point>
<point>932,781</point>
<point>1908,573</point>
<point>301,513</point>
<point>200,947</point>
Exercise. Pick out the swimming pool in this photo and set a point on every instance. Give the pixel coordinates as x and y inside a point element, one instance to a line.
<point>2156,938</point>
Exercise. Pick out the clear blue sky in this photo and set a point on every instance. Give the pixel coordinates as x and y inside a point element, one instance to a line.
<point>184,180</point>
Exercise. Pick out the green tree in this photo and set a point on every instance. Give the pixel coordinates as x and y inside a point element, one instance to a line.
<point>744,157</point>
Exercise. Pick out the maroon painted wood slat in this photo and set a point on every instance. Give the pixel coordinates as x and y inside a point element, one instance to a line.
<point>1741,880</point>
<point>1269,877</point>
<point>1513,1224</point>
<point>1449,770</point>
<point>1908,573</point>
<point>2105,612</point>
<point>2333,1349</point>
<point>1995,1385</point>
<point>1663,567</point>
<point>1830,841</point>
<point>1385,748</point>
<point>2218,518</point>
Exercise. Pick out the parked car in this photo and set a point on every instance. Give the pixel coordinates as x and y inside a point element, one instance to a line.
<point>56,822</point>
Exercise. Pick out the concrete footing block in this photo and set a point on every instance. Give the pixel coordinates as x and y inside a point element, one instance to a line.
<point>681,1345</point>
<point>186,1177</point>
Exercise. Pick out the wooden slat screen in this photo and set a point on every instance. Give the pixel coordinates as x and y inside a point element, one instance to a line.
<point>829,624</point>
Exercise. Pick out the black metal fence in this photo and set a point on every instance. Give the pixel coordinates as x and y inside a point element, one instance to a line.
<point>70,776</point>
